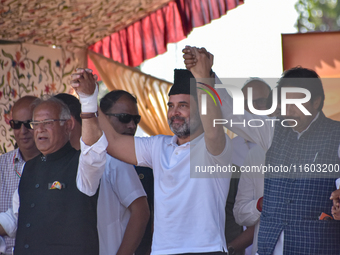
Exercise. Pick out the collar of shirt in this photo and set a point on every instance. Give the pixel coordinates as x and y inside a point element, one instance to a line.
<point>300,134</point>
<point>16,160</point>
<point>174,139</point>
<point>18,156</point>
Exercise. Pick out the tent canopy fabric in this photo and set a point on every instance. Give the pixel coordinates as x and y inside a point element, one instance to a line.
<point>70,23</point>
<point>149,36</point>
<point>73,24</point>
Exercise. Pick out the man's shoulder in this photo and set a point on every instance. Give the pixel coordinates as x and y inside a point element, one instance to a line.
<point>156,138</point>
<point>10,158</point>
<point>10,154</point>
<point>333,122</point>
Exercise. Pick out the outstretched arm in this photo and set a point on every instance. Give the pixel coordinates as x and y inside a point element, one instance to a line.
<point>260,135</point>
<point>214,136</point>
<point>119,146</point>
<point>93,143</point>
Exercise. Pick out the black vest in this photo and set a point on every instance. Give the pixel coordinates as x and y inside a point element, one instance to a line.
<point>52,220</point>
<point>293,202</point>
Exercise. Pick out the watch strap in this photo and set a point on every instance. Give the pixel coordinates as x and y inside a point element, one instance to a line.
<point>89,115</point>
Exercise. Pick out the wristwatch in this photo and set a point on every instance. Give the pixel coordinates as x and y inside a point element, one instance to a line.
<point>89,115</point>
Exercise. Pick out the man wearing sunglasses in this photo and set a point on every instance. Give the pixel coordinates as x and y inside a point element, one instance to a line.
<point>123,211</point>
<point>189,212</point>
<point>11,165</point>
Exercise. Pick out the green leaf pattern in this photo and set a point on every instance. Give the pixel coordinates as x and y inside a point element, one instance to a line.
<point>27,70</point>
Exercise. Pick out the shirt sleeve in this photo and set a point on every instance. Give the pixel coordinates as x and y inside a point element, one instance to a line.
<point>91,165</point>
<point>250,189</point>
<point>143,149</point>
<point>239,124</point>
<point>127,185</point>
<point>9,219</point>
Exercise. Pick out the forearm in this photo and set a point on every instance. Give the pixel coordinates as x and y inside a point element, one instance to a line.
<point>91,131</point>
<point>245,213</point>
<point>8,223</point>
<point>121,147</point>
<point>214,135</point>
<point>243,240</point>
<point>135,228</point>
<point>91,166</point>
<point>250,189</point>
<point>2,231</point>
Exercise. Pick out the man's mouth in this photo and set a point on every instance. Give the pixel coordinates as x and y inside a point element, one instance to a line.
<point>25,139</point>
<point>177,119</point>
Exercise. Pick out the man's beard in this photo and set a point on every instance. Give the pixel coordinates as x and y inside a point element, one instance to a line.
<point>183,130</point>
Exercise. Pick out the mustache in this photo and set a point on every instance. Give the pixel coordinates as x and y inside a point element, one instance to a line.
<point>176,118</point>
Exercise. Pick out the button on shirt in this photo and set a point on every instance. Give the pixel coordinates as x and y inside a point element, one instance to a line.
<point>188,212</point>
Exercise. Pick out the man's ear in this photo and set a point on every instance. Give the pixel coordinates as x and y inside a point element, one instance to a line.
<point>317,102</point>
<point>69,124</point>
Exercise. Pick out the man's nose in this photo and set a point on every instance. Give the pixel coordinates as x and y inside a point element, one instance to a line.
<point>23,129</point>
<point>131,124</point>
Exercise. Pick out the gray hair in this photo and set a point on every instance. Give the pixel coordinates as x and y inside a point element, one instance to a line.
<point>64,110</point>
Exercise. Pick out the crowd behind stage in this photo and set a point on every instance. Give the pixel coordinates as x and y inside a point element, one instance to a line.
<point>80,182</point>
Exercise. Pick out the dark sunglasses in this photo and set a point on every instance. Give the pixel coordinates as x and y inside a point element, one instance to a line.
<point>16,124</point>
<point>126,118</point>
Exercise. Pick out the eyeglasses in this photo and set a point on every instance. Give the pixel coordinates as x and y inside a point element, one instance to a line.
<point>126,118</point>
<point>16,124</point>
<point>45,123</point>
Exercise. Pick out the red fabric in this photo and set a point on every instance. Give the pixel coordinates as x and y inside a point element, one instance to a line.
<point>258,205</point>
<point>149,36</point>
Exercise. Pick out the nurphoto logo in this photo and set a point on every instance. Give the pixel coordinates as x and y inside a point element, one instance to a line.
<point>238,104</point>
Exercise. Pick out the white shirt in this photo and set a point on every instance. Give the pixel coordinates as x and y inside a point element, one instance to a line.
<point>189,213</point>
<point>91,166</point>
<point>250,189</point>
<point>119,187</point>
<point>241,148</point>
<point>263,136</point>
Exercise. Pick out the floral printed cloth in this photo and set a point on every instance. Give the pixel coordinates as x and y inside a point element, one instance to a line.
<point>29,70</point>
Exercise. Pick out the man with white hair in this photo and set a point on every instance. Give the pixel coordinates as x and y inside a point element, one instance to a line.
<point>57,213</point>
